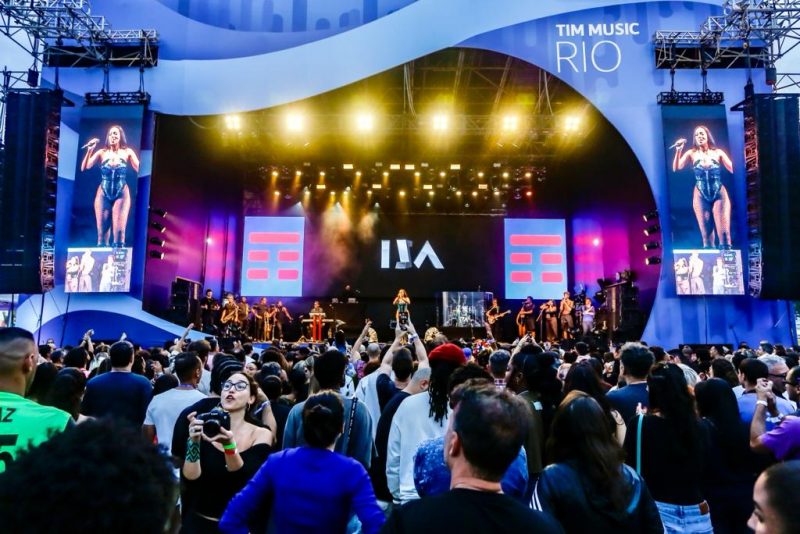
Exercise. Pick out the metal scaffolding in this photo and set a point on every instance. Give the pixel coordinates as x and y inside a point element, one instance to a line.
<point>749,34</point>
<point>65,33</point>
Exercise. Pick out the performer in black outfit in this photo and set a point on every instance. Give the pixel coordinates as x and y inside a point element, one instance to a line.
<point>208,308</point>
<point>282,319</point>
<point>493,316</point>
<point>550,321</point>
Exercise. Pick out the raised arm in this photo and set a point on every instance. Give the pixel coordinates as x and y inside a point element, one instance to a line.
<point>419,347</point>
<point>90,157</point>
<point>680,159</point>
<point>355,353</point>
<point>386,363</point>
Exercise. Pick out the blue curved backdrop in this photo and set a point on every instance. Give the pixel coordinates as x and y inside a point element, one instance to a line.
<point>232,56</point>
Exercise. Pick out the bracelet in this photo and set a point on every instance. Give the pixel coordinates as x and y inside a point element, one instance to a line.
<point>763,403</point>
<point>192,451</point>
<point>230,452</point>
<point>230,446</point>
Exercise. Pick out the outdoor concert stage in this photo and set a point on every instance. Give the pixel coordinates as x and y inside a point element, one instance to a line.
<point>513,149</point>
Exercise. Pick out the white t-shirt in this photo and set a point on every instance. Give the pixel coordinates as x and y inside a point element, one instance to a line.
<point>164,409</point>
<point>204,386</point>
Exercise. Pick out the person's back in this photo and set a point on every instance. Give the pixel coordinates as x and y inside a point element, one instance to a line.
<point>466,510</point>
<point>626,399</point>
<point>23,423</point>
<point>119,394</point>
<point>636,360</point>
<point>580,510</point>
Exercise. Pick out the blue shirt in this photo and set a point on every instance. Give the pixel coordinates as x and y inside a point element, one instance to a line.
<point>119,395</point>
<point>747,407</point>
<point>432,476</point>
<point>310,490</point>
<point>625,400</point>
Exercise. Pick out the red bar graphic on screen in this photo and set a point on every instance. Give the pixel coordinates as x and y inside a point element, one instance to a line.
<point>552,277</point>
<point>521,277</point>
<point>258,255</point>
<point>288,255</point>
<point>551,258</point>
<point>288,274</point>
<point>257,274</point>
<point>273,238</point>
<point>521,258</point>
<point>529,240</point>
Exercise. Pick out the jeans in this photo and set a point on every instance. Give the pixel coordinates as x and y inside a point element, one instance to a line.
<point>678,519</point>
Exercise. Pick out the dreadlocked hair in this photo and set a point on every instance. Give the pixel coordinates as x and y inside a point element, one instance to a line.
<point>439,388</point>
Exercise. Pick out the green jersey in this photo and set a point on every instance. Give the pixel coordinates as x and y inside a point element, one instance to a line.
<point>24,423</point>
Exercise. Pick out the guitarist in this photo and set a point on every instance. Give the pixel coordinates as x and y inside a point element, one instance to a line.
<point>525,320</point>
<point>230,313</point>
<point>493,314</point>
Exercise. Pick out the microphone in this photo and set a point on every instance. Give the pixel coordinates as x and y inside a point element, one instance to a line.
<point>87,145</point>
<point>676,143</point>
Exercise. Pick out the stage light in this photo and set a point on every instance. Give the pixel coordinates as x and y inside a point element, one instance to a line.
<point>650,215</point>
<point>455,166</point>
<point>347,166</point>
<point>572,123</point>
<point>394,167</point>
<point>496,193</point>
<point>333,193</point>
<point>410,167</point>
<point>458,193</point>
<point>652,245</point>
<point>298,173</point>
<point>347,189</point>
<point>417,174</point>
<point>322,174</point>
<point>157,254</point>
<point>274,174</point>
<point>157,241</point>
<point>474,193</point>
<point>377,186</point>
<point>431,193</point>
<point>427,204</point>
<point>528,175</point>
<point>233,122</point>
<point>596,241</point>
<point>385,174</point>
<point>440,122</point>
<point>277,193</point>
<point>480,175</point>
<point>365,122</point>
<point>295,122</point>
<point>652,260</point>
<point>209,240</point>
<point>650,230</point>
<point>159,227</point>
<point>528,194</point>
<point>358,173</point>
<point>483,187</point>
<point>505,175</point>
<point>320,186</point>
<point>510,123</point>
<point>161,213</point>
<point>442,174</point>
<point>402,193</point>
<point>427,186</point>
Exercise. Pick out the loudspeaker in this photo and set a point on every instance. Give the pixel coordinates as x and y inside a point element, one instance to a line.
<point>28,188</point>
<point>772,160</point>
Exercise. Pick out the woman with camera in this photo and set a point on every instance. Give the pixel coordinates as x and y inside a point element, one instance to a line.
<point>224,451</point>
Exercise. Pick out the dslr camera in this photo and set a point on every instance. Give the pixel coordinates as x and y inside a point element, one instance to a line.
<point>214,421</point>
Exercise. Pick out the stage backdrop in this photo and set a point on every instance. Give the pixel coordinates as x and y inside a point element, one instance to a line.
<point>424,254</point>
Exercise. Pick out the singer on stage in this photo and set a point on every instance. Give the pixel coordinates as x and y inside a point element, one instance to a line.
<point>317,320</point>
<point>113,197</point>
<point>402,301</point>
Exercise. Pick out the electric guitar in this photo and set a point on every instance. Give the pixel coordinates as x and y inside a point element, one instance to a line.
<point>491,319</point>
<point>230,315</point>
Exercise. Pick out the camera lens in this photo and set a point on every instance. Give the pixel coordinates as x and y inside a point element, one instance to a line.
<point>211,428</point>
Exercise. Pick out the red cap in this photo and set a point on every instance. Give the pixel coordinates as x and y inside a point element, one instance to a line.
<point>448,353</point>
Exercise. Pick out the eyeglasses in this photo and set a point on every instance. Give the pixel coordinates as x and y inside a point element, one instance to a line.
<point>238,386</point>
<point>781,376</point>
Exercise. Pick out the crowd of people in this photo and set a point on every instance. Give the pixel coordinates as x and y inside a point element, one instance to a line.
<point>416,435</point>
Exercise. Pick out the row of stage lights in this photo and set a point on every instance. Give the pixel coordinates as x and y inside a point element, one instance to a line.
<point>158,226</point>
<point>653,229</point>
<point>439,123</point>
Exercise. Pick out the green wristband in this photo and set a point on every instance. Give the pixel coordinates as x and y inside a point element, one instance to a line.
<point>229,446</point>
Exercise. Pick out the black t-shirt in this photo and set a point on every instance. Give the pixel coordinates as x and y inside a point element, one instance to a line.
<point>377,470</point>
<point>180,434</point>
<point>386,390</point>
<point>467,511</point>
<point>672,475</point>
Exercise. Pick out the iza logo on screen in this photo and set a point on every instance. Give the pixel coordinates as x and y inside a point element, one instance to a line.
<point>404,255</point>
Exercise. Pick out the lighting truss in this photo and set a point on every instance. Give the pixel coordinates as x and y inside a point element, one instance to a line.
<point>66,33</point>
<point>681,98</point>
<point>749,33</point>
<point>115,98</point>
